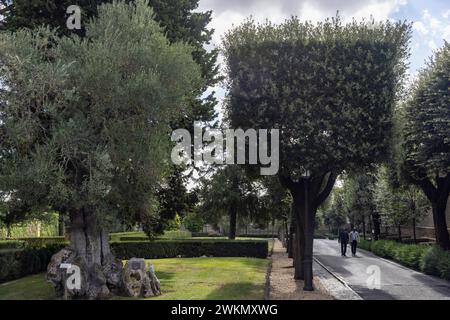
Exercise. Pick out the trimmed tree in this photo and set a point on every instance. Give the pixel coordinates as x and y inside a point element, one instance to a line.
<point>330,89</point>
<point>426,146</point>
<point>85,124</point>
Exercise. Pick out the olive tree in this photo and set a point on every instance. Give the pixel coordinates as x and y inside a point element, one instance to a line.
<point>329,88</point>
<point>84,124</point>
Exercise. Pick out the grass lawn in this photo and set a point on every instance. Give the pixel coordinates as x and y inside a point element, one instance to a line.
<point>181,278</point>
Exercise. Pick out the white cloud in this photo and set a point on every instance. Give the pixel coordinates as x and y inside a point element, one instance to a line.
<point>433,29</point>
<point>432,44</point>
<point>446,14</point>
<point>420,27</point>
<point>227,13</point>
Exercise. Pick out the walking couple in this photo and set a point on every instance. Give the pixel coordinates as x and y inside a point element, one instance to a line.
<point>345,237</point>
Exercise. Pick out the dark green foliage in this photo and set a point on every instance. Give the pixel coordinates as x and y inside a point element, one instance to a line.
<point>230,193</point>
<point>11,244</point>
<point>181,23</point>
<point>409,255</point>
<point>425,150</point>
<point>22,262</point>
<point>194,222</point>
<point>190,248</point>
<point>199,234</point>
<point>329,88</point>
<point>37,242</point>
<point>92,142</point>
<point>365,244</point>
<point>174,203</point>
<point>427,119</point>
<point>34,13</point>
<point>436,262</point>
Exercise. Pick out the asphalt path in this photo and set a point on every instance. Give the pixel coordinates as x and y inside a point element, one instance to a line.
<point>375,278</point>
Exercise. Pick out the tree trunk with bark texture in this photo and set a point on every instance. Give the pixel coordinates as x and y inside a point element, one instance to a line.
<point>291,239</point>
<point>233,222</point>
<point>89,258</point>
<point>364,228</point>
<point>414,230</point>
<point>376,225</point>
<point>438,194</point>
<point>308,194</point>
<point>8,231</point>
<point>441,231</point>
<point>61,225</point>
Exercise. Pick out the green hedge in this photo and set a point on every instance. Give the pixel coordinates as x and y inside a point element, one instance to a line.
<point>190,248</point>
<point>431,260</point>
<point>38,242</point>
<point>17,263</point>
<point>255,235</point>
<point>141,236</point>
<point>200,234</point>
<point>436,262</point>
<point>11,244</point>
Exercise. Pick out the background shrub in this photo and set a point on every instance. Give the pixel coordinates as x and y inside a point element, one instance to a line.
<point>365,244</point>
<point>436,262</point>
<point>409,255</point>
<point>11,244</point>
<point>17,263</point>
<point>38,242</point>
<point>190,248</point>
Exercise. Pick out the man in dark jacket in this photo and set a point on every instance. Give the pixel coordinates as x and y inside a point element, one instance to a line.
<point>343,240</point>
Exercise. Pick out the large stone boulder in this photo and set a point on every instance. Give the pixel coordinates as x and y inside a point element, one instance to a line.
<point>137,282</point>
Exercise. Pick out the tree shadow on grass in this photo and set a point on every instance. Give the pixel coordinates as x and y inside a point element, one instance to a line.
<point>238,291</point>
<point>164,275</point>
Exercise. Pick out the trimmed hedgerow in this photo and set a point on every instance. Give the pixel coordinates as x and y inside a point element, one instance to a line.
<point>436,262</point>
<point>190,248</point>
<point>11,244</point>
<point>409,255</point>
<point>365,244</point>
<point>17,263</point>
<point>38,242</point>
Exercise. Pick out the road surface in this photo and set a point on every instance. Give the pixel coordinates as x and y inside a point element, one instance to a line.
<point>361,274</point>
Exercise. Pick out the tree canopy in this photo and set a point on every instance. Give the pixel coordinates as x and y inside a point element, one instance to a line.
<point>425,148</point>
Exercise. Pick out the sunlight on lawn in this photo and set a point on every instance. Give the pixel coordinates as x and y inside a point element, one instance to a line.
<point>181,278</point>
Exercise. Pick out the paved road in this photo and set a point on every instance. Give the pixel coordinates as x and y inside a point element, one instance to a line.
<point>396,281</point>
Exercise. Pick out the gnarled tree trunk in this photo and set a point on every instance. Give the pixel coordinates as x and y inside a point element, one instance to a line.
<point>86,269</point>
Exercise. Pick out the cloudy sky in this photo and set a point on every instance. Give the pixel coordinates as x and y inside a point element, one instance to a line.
<point>431,18</point>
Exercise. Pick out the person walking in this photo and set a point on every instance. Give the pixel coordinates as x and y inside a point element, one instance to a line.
<point>354,238</point>
<point>343,240</point>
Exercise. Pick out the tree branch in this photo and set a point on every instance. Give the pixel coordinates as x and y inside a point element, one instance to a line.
<point>428,188</point>
<point>322,196</point>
